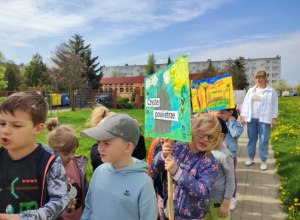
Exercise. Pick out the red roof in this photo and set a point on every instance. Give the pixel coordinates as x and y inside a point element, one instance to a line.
<point>118,80</point>
<point>130,79</point>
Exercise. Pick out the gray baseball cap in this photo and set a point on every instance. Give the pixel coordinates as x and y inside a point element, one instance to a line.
<point>116,125</point>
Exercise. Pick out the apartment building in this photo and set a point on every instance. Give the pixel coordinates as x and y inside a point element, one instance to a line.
<point>272,66</point>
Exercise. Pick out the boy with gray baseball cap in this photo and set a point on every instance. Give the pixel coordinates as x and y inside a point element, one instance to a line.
<point>120,188</point>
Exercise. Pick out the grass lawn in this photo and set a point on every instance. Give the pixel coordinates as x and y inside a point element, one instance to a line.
<point>79,118</point>
<point>285,140</point>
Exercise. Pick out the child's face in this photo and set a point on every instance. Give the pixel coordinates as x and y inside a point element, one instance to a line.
<point>18,133</point>
<point>112,150</point>
<point>224,114</point>
<point>67,157</point>
<point>202,141</point>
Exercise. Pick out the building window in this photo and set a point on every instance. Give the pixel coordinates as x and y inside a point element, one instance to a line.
<point>273,81</point>
<point>247,69</point>
<point>267,68</point>
<point>121,90</point>
<point>254,68</point>
<point>275,68</point>
<point>274,61</point>
<point>219,63</point>
<point>204,64</point>
<point>268,74</point>
<point>267,61</point>
<point>158,66</point>
<point>131,90</point>
<point>141,67</point>
<point>275,74</point>
<point>194,68</point>
<point>127,90</point>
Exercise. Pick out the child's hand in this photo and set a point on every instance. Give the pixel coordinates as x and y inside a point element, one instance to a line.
<point>167,147</point>
<point>171,165</point>
<point>224,209</point>
<point>231,118</point>
<point>9,217</point>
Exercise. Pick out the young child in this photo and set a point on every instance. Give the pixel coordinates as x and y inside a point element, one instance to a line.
<point>97,115</point>
<point>235,129</point>
<point>120,188</point>
<point>222,190</point>
<point>193,167</point>
<point>32,177</point>
<point>64,141</point>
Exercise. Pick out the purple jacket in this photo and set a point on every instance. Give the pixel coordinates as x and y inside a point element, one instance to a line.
<point>193,180</point>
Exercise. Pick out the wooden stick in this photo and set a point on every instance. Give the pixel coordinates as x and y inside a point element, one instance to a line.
<point>170,194</point>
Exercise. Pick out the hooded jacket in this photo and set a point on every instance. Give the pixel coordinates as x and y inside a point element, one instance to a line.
<point>125,193</point>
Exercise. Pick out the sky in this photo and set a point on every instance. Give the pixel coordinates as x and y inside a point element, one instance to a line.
<point>127,31</point>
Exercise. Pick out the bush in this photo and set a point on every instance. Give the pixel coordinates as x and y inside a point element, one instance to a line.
<point>2,99</point>
<point>143,105</point>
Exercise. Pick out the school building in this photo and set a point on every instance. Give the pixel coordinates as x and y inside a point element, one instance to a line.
<point>272,66</point>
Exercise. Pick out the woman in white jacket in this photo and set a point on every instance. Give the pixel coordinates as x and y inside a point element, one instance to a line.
<point>260,110</point>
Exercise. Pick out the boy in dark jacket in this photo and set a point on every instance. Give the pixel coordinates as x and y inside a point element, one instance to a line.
<point>32,177</point>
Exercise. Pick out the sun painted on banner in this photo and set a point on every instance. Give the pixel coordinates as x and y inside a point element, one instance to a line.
<point>167,102</point>
<point>212,94</point>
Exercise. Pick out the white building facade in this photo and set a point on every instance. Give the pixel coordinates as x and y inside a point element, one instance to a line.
<point>272,66</point>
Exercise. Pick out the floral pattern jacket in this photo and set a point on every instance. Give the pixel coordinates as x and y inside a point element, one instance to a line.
<point>193,181</point>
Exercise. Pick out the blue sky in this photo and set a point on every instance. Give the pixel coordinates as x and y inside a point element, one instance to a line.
<point>127,31</point>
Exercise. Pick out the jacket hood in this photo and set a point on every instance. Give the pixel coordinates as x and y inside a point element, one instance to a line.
<point>140,166</point>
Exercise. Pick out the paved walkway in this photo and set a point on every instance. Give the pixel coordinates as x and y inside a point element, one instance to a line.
<point>257,190</point>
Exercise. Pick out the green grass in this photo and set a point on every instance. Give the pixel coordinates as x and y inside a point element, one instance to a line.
<point>285,140</point>
<point>78,119</point>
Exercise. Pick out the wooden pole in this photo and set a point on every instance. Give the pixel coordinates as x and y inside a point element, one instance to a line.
<point>170,192</point>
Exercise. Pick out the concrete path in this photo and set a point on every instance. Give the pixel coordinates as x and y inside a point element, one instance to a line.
<point>257,190</point>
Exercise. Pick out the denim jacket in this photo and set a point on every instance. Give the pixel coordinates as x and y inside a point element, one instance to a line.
<point>235,129</point>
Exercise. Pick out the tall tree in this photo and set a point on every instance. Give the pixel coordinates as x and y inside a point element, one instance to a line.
<point>237,70</point>
<point>12,76</point>
<point>93,72</point>
<point>169,60</point>
<point>150,67</point>
<point>70,74</point>
<point>209,72</point>
<point>35,71</point>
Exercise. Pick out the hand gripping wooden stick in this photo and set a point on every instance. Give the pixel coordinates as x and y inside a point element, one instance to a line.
<point>170,192</point>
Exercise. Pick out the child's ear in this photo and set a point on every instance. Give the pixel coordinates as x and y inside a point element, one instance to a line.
<point>223,136</point>
<point>129,147</point>
<point>39,128</point>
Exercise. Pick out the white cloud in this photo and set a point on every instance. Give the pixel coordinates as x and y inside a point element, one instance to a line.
<point>22,22</point>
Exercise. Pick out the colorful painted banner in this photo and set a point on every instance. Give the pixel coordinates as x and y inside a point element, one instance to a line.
<point>212,94</point>
<point>167,102</point>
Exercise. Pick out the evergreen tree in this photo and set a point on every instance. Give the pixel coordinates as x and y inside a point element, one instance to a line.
<point>93,73</point>
<point>150,67</point>
<point>237,70</point>
<point>169,61</point>
<point>209,72</point>
<point>35,71</point>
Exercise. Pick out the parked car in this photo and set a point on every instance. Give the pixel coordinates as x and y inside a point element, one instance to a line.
<point>105,99</point>
<point>286,94</point>
<point>294,93</point>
